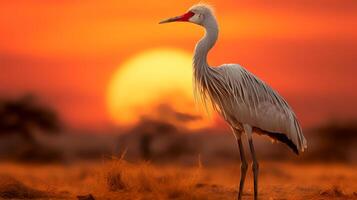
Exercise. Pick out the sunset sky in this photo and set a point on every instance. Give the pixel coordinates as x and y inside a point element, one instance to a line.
<point>66,52</point>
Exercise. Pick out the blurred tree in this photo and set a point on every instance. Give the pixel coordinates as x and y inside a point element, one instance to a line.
<point>23,116</point>
<point>150,129</point>
<point>338,140</point>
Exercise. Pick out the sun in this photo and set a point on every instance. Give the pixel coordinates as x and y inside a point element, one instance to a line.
<point>149,79</point>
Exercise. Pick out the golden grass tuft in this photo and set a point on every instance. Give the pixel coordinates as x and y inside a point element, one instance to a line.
<point>115,181</point>
<point>334,191</point>
<point>144,180</point>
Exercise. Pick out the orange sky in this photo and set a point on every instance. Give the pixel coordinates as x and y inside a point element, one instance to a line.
<point>66,51</point>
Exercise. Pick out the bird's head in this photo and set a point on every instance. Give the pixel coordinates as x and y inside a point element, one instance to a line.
<point>200,14</point>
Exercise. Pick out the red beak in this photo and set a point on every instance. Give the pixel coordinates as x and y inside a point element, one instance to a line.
<point>183,18</point>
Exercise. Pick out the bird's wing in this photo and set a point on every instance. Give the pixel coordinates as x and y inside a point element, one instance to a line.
<point>242,97</point>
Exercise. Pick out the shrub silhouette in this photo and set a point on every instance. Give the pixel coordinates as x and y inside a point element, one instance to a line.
<point>337,140</point>
<point>25,115</point>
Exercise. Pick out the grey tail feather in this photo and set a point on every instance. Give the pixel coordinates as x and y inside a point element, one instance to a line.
<point>278,136</point>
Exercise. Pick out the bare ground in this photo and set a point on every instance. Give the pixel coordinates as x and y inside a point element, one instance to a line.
<point>118,179</point>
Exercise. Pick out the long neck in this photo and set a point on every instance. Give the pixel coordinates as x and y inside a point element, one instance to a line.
<point>203,46</point>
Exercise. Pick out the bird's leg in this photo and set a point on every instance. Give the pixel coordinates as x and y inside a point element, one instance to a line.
<point>243,167</point>
<point>255,167</point>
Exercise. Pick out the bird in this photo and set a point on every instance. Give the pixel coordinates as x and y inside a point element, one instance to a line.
<point>245,102</point>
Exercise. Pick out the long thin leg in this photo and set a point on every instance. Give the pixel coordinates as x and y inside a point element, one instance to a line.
<point>255,167</point>
<point>243,167</point>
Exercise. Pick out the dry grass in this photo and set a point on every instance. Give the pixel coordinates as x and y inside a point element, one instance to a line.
<point>146,181</point>
<point>10,188</point>
<point>118,179</point>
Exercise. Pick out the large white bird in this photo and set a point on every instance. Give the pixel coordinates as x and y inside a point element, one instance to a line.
<point>246,103</point>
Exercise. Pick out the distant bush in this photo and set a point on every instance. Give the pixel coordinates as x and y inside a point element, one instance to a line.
<point>23,117</point>
<point>337,141</point>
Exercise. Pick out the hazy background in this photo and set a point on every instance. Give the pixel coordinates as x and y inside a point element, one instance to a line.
<point>58,57</point>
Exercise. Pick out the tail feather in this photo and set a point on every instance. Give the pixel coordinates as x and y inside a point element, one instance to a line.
<point>278,136</point>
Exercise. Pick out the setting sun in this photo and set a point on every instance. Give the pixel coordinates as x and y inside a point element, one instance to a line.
<point>146,80</point>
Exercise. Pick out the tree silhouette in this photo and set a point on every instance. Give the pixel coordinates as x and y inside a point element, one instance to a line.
<point>338,140</point>
<point>25,115</point>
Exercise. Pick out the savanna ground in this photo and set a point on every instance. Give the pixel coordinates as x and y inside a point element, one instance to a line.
<point>118,179</point>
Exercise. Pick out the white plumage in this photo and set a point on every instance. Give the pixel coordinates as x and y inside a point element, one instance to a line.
<point>243,100</point>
